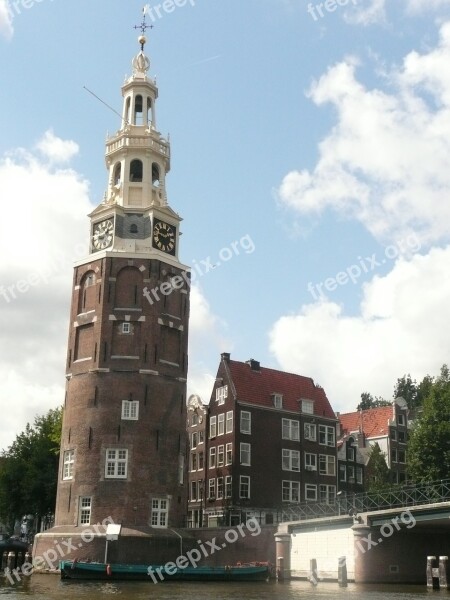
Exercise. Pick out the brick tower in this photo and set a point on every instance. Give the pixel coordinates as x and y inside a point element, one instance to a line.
<point>123,438</point>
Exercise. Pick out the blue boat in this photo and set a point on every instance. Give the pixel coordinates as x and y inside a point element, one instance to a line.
<point>162,573</point>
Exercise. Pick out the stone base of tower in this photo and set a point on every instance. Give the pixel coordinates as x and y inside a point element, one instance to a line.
<point>139,545</point>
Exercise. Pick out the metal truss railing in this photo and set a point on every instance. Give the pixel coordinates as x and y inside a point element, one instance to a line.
<point>351,504</point>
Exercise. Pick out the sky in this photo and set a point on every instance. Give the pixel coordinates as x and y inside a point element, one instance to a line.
<point>310,163</point>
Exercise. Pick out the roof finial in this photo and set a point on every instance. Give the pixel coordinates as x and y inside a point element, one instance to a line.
<point>143,27</point>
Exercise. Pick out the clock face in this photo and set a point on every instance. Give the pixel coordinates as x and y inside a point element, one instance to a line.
<point>164,237</point>
<point>102,234</point>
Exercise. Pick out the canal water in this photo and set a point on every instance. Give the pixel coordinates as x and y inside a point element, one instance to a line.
<point>49,587</point>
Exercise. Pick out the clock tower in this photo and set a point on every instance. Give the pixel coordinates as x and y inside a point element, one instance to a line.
<point>123,439</point>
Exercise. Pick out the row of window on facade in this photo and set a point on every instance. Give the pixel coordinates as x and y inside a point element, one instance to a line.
<point>220,488</point>
<point>159,513</point>
<point>116,463</point>
<point>136,173</point>
<point>307,406</point>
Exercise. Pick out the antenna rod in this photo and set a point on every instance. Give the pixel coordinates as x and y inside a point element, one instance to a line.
<point>102,101</point>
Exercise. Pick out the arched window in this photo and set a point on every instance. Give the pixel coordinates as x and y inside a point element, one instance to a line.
<point>149,111</point>
<point>138,111</point>
<point>155,175</point>
<point>117,173</point>
<point>126,116</point>
<point>136,170</point>
<point>133,228</point>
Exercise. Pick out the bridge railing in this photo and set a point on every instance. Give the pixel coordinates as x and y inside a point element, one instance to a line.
<point>351,504</point>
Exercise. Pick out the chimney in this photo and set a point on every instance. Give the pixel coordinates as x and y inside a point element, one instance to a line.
<point>225,356</point>
<point>254,365</point>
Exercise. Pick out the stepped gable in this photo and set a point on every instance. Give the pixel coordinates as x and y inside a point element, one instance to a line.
<point>256,386</point>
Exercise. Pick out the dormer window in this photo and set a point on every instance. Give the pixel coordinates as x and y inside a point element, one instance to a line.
<point>277,400</point>
<point>307,407</point>
<point>221,394</point>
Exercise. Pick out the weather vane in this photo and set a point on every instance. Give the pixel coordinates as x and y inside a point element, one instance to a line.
<point>143,27</point>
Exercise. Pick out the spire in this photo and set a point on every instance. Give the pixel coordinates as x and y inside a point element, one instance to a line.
<point>141,63</point>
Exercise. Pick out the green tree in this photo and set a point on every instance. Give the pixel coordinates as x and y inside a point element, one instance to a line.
<point>28,469</point>
<point>368,401</point>
<point>429,444</point>
<point>377,472</point>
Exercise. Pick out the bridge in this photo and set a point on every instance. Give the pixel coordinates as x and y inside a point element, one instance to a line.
<point>384,536</point>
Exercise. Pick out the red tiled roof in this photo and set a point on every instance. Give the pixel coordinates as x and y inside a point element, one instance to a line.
<point>375,421</point>
<point>257,387</point>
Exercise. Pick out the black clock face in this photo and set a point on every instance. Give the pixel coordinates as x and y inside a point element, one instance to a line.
<point>102,234</point>
<point>164,237</point>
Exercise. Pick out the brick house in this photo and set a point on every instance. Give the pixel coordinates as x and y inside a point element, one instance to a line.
<point>197,415</point>
<point>271,444</point>
<point>387,426</point>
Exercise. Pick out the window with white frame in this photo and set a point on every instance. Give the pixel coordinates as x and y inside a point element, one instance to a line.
<point>401,456</point>
<point>290,429</point>
<point>394,457</point>
<point>212,488</point>
<point>221,394</point>
<point>194,419</point>
<point>126,327</point>
<point>212,458</point>
<point>193,461</point>
<point>351,453</point>
<point>245,454</point>
<point>244,487</point>
<point>200,489</point>
<point>351,473</point>
<point>200,461</point>
<point>116,463</point>
<point>219,488</point>
<point>229,454</point>
<point>194,439</point>
<point>213,427</point>
<point>393,434</point>
<point>310,491</point>
<point>401,419</point>
<point>69,462</point>
<point>310,432</point>
<point>201,437</point>
<point>221,424</point>
<point>291,460</point>
<point>228,486</point>
<point>342,473</point>
<point>160,511</point>
<point>130,410</point>
<point>326,435</point>
<point>327,494</point>
<point>277,400</point>
<point>229,426</point>
<point>246,422</point>
<point>85,509</point>
<point>327,464</point>
<point>308,407</point>
<point>359,475</point>
<point>310,461</point>
<point>193,491</point>
<point>220,455</point>
<point>291,491</point>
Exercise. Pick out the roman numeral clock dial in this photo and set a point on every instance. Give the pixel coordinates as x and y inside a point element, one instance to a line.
<point>102,234</point>
<point>164,237</point>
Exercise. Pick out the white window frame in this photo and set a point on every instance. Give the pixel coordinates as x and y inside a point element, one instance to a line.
<point>329,491</point>
<point>342,472</point>
<point>221,424</point>
<point>228,486</point>
<point>194,493</point>
<point>246,419</point>
<point>245,454</point>
<point>307,406</point>
<point>194,460</point>
<point>220,455</point>
<point>244,483</point>
<point>221,394</point>
<point>330,465</point>
<point>212,427</point>
<point>201,437</point>
<point>310,432</point>
<point>359,475</point>
<point>278,401</point>
<point>126,327</point>
<point>290,460</point>
<point>201,461</point>
<point>220,488</point>
<point>310,487</point>
<point>310,461</point>
<point>194,440</point>
<point>212,488</point>
<point>229,454</point>
<point>160,513</point>
<point>229,422</point>
<point>327,435</point>
<point>212,457</point>
<point>130,410</point>
<point>84,510</point>
<point>116,463</point>
<point>293,491</point>
<point>290,429</point>
<point>68,464</point>
<point>401,420</point>
<point>351,453</point>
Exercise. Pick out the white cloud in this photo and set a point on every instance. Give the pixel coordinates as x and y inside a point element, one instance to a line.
<point>56,150</point>
<point>401,329</point>
<point>42,229</point>
<point>207,335</point>
<point>374,11</point>
<point>6,27</point>
<point>386,162</point>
